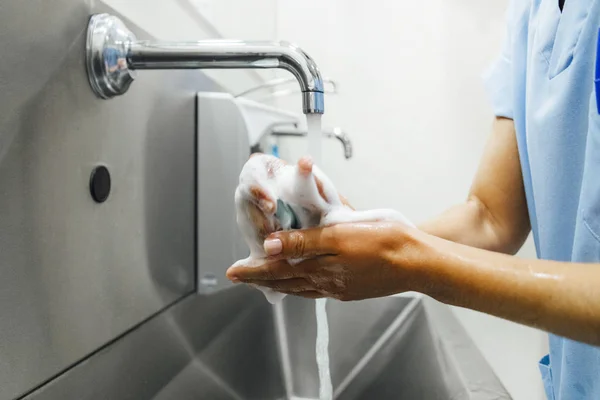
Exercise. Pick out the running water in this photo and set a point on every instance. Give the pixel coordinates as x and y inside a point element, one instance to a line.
<point>325,387</point>
<point>313,123</point>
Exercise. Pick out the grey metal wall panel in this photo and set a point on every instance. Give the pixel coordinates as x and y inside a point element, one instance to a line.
<point>223,148</point>
<point>74,274</point>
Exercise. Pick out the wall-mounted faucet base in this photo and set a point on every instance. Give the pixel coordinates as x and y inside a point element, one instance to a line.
<point>107,48</point>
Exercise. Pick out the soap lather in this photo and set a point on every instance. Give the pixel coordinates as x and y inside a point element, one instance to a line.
<point>300,204</point>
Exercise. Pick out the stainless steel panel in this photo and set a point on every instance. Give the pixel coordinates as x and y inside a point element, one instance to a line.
<point>223,148</point>
<point>226,346</point>
<point>197,349</point>
<point>75,274</point>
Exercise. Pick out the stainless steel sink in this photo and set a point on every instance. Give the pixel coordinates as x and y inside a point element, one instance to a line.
<point>380,349</point>
<point>234,345</point>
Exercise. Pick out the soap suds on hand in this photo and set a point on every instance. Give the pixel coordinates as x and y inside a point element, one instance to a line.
<point>269,176</point>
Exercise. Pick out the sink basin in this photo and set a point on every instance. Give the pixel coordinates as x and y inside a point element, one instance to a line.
<point>233,345</point>
<point>381,349</point>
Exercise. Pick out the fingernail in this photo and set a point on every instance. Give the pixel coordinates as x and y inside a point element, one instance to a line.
<point>273,247</point>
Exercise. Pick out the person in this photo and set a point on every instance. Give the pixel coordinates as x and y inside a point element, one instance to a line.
<point>540,172</point>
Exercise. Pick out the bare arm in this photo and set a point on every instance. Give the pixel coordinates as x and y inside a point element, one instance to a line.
<point>558,297</point>
<point>366,260</point>
<point>454,258</point>
<point>494,217</point>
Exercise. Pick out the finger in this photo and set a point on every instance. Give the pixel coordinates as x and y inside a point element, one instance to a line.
<point>293,285</point>
<point>263,200</point>
<point>346,203</point>
<point>262,225</point>
<point>271,271</point>
<point>308,295</point>
<point>306,243</point>
<point>305,166</point>
<point>320,189</point>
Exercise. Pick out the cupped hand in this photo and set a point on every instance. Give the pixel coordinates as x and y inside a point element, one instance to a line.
<point>347,262</point>
<point>260,205</point>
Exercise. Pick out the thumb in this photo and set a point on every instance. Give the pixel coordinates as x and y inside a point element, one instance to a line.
<point>306,243</point>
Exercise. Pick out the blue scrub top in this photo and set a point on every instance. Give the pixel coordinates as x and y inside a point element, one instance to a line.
<point>544,81</point>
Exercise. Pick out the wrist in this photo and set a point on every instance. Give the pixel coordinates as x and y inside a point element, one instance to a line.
<point>422,263</point>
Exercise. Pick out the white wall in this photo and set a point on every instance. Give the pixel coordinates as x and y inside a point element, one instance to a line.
<point>189,20</point>
<point>412,100</point>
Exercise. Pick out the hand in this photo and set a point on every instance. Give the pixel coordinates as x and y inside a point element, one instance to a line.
<point>260,204</point>
<point>346,262</point>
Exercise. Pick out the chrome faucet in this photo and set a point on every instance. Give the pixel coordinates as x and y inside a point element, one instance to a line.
<point>285,92</point>
<point>114,55</point>
<point>336,133</point>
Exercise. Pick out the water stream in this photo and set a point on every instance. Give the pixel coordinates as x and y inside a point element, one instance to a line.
<point>314,134</point>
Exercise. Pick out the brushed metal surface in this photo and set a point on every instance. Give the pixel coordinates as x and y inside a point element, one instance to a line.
<point>223,148</point>
<point>203,347</point>
<point>352,326</point>
<point>226,346</point>
<point>75,274</point>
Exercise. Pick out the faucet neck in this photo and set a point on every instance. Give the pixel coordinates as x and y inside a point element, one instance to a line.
<point>114,54</point>
<point>273,83</point>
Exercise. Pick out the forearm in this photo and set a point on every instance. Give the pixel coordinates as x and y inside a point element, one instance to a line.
<point>495,215</point>
<point>562,298</point>
<point>467,224</point>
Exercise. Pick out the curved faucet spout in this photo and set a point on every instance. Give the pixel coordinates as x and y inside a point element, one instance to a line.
<point>114,54</point>
<point>273,83</point>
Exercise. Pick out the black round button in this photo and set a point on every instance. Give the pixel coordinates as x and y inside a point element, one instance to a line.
<point>100,184</point>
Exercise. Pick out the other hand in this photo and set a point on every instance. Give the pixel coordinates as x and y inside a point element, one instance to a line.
<point>260,204</point>
<point>346,262</point>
